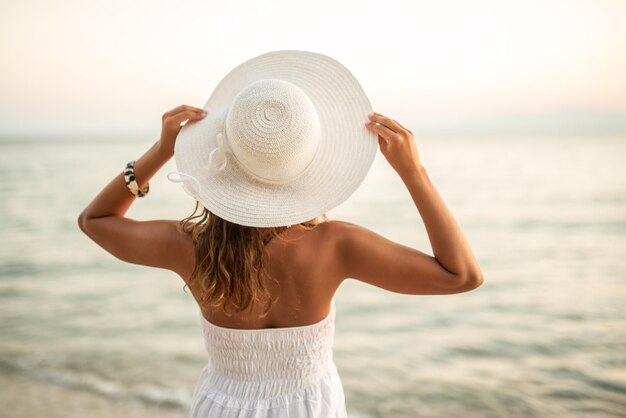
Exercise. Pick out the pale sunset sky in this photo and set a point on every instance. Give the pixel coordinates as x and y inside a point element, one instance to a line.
<point>73,67</point>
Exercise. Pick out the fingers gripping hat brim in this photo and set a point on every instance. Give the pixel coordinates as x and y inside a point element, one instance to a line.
<point>344,156</point>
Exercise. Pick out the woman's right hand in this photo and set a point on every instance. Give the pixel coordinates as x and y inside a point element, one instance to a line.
<point>396,143</point>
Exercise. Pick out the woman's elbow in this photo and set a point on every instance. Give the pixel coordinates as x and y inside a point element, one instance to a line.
<point>81,223</point>
<point>472,281</point>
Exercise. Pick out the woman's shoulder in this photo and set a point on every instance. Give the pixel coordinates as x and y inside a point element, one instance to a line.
<point>332,230</point>
<point>338,235</point>
<point>337,229</point>
<point>336,225</point>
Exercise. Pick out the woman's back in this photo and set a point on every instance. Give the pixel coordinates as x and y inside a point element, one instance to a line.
<point>303,263</point>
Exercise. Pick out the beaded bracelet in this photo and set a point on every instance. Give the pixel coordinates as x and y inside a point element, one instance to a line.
<point>131,183</point>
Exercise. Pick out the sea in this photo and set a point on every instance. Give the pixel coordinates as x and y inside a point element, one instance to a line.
<point>83,334</point>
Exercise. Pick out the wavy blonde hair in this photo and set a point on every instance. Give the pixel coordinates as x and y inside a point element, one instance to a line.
<point>231,260</point>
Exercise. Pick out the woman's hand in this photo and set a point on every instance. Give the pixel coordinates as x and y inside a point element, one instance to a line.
<point>172,123</point>
<point>396,143</point>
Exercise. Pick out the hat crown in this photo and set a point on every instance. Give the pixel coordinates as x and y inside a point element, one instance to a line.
<point>273,130</point>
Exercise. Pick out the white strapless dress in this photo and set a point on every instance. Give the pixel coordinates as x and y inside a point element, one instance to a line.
<point>269,373</point>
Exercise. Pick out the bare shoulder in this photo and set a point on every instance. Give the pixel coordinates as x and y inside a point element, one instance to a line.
<point>338,233</point>
<point>334,233</point>
<point>342,233</point>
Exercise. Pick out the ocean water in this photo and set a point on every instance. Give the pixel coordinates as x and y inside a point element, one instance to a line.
<point>84,334</point>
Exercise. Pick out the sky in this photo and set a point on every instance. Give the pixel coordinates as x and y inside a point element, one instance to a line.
<point>73,67</point>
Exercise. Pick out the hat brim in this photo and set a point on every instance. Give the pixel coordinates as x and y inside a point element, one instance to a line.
<point>346,149</point>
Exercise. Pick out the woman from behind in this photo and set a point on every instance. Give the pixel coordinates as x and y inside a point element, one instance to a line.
<point>263,262</point>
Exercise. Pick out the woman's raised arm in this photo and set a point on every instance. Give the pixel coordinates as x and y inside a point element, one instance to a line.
<point>374,259</point>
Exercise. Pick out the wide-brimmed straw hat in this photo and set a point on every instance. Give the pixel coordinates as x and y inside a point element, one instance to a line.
<point>284,141</point>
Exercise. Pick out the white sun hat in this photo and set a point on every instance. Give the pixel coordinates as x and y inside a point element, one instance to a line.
<point>284,141</point>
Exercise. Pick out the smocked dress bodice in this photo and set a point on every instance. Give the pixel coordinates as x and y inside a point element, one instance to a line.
<point>270,372</point>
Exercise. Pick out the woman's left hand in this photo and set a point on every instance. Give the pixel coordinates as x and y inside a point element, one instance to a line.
<point>172,123</point>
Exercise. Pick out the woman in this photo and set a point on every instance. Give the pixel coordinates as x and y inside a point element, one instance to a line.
<point>262,259</point>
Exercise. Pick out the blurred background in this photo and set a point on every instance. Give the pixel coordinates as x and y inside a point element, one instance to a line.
<point>519,112</point>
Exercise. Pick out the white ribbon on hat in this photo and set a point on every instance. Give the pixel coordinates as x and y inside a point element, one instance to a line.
<point>217,162</point>
<point>182,178</point>
<point>218,154</point>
